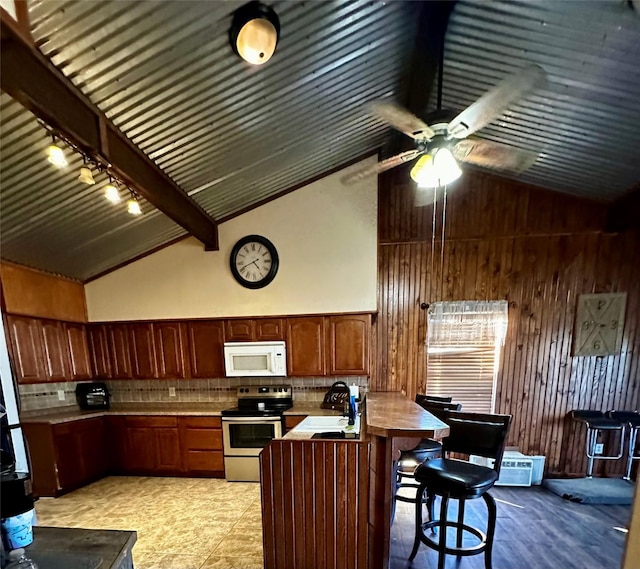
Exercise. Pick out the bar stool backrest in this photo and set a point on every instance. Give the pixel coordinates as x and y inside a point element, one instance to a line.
<point>440,410</point>
<point>480,434</point>
<point>420,399</point>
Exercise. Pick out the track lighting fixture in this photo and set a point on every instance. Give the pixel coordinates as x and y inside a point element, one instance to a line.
<point>254,32</point>
<point>111,192</point>
<point>55,155</point>
<point>133,207</point>
<point>86,176</point>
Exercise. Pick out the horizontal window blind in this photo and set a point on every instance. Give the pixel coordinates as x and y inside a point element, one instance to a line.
<point>467,374</point>
<point>463,351</point>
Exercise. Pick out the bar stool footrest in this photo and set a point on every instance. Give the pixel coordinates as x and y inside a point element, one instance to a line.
<point>450,550</point>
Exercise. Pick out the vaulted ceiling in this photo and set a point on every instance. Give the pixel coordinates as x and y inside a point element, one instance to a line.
<point>232,135</point>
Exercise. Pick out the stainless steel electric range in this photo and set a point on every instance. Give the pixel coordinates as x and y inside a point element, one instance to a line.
<point>249,427</point>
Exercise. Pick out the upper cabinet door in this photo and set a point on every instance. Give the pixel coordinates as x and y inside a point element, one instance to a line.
<point>56,351</point>
<point>99,341</point>
<point>80,358</point>
<point>348,344</point>
<point>269,329</point>
<point>239,330</point>
<point>305,346</point>
<point>120,355</point>
<point>170,349</point>
<point>206,345</point>
<point>27,346</point>
<point>143,351</point>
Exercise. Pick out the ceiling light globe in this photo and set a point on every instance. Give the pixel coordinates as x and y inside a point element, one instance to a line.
<point>112,193</point>
<point>55,155</point>
<point>257,41</point>
<point>133,207</point>
<point>254,32</point>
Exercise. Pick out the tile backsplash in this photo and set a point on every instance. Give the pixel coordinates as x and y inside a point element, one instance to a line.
<point>307,389</point>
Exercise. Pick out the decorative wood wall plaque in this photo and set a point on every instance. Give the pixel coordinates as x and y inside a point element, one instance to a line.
<point>599,324</point>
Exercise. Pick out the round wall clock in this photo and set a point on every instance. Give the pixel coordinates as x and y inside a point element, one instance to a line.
<point>254,261</point>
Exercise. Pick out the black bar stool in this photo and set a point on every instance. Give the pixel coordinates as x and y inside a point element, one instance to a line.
<point>426,450</point>
<point>632,420</point>
<point>596,421</point>
<point>469,433</point>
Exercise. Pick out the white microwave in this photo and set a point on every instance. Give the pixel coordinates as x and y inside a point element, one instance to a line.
<point>244,359</point>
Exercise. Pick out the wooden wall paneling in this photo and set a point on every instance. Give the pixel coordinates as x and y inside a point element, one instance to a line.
<point>315,503</point>
<point>539,251</point>
<point>34,293</point>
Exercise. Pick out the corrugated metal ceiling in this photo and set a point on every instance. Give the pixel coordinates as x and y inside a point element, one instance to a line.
<point>232,135</point>
<point>586,123</point>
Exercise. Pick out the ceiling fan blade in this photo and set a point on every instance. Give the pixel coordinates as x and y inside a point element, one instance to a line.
<point>495,101</point>
<point>380,167</point>
<point>402,120</point>
<point>488,154</point>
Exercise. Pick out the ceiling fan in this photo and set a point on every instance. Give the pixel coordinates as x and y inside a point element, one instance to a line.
<point>444,142</point>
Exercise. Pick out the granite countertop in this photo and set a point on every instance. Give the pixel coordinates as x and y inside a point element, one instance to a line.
<point>70,548</point>
<point>213,409</point>
<point>73,413</point>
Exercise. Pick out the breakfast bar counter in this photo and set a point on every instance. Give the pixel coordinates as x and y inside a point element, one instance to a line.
<point>327,502</point>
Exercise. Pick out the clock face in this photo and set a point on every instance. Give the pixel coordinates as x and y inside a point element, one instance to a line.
<point>254,261</point>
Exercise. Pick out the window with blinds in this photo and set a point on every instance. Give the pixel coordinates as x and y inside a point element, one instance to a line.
<point>464,342</point>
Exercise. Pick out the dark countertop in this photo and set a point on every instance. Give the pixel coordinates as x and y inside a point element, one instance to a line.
<point>74,413</point>
<point>70,548</point>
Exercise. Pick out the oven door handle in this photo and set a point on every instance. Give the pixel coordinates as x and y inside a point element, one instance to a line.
<point>251,419</point>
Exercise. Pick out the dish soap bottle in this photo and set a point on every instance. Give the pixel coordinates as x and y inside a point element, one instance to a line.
<point>18,560</point>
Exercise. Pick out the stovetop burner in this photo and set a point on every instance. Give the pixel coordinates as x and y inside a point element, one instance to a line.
<point>261,401</point>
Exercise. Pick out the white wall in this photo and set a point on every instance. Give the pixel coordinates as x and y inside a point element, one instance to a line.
<point>326,237</point>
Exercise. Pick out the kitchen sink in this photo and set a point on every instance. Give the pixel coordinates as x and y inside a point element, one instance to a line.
<point>323,423</point>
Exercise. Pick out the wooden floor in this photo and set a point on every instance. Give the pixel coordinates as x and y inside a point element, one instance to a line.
<point>547,532</point>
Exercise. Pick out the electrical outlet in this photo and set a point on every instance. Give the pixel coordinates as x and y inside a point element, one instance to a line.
<point>60,395</point>
<point>172,392</point>
<point>599,448</point>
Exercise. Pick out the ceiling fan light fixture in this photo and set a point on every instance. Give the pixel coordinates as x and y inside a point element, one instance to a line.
<point>254,32</point>
<point>433,171</point>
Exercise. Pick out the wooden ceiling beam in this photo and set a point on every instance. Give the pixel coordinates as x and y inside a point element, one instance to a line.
<point>32,79</point>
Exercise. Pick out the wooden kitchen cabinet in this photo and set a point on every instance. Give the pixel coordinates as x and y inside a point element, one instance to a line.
<point>116,450</point>
<point>67,455</point>
<point>201,445</point>
<point>206,348</point>
<point>27,348</point>
<point>56,350</point>
<point>306,346</point>
<point>142,349</point>
<point>99,344</point>
<point>79,353</point>
<point>239,330</point>
<point>171,349</point>
<point>290,421</point>
<point>348,338</point>
<point>269,329</point>
<point>152,445</point>
<point>119,351</point>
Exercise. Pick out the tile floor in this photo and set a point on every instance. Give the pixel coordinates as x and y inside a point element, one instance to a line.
<point>182,523</point>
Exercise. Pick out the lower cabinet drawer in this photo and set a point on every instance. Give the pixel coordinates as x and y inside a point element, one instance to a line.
<point>203,439</point>
<point>202,422</point>
<point>152,421</point>
<point>205,461</point>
